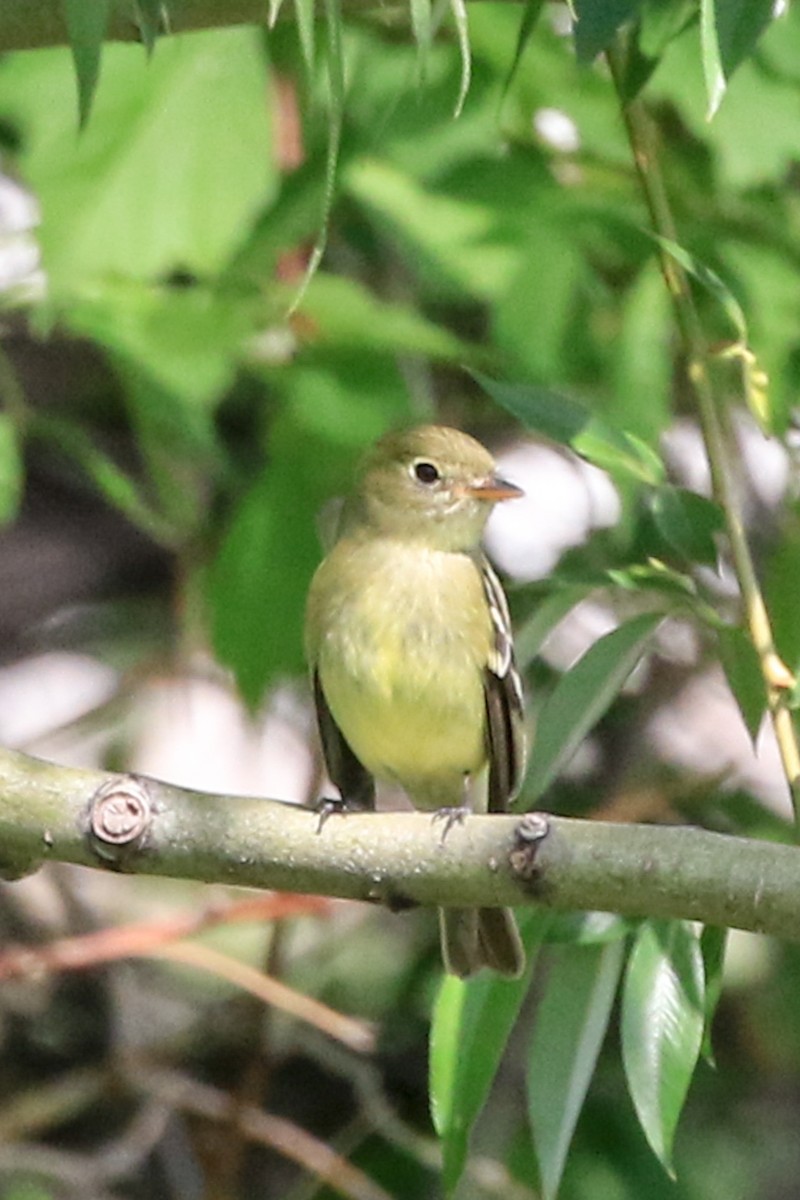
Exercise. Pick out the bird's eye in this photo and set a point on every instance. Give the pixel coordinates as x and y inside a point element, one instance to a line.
<point>426,472</point>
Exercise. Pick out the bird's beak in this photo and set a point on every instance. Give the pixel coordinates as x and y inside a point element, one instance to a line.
<point>493,488</point>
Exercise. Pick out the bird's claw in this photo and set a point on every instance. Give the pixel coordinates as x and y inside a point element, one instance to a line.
<point>327,807</point>
<point>451,816</point>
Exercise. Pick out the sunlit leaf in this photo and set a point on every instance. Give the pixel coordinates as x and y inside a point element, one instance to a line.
<point>581,697</point>
<point>570,1024</point>
<point>459,10</point>
<point>663,1013</point>
<point>87,21</point>
<point>729,30</point>
<point>745,676</point>
<point>422,28</point>
<point>471,1023</point>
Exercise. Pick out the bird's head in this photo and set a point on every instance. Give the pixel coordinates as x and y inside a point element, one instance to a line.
<point>430,484</point>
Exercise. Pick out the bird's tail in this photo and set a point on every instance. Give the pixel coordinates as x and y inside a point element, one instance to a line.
<point>481,937</point>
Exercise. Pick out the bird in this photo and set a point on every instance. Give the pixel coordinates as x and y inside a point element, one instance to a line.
<point>409,644</point>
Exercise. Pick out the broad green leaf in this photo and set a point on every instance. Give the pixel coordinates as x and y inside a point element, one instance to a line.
<point>569,1027</point>
<point>688,523</point>
<point>260,578</point>
<point>581,697</point>
<point>729,30</point>
<point>596,24</point>
<point>745,677</point>
<point>86,21</point>
<point>348,315</point>
<point>472,1020</point>
<point>11,469</point>
<point>572,424</point>
<point>713,943</point>
<point>156,182</point>
<point>459,10</point>
<point>532,633</point>
<point>661,21</point>
<point>663,1009</point>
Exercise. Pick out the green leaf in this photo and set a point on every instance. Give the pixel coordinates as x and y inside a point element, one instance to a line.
<point>745,677</point>
<point>152,17</point>
<point>572,424</point>
<point>581,697</point>
<point>534,630</point>
<point>530,17</point>
<point>110,480</point>
<point>661,22</point>
<point>663,1009</point>
<point>87,21</point>
<point>459,10</point>
<point>688,522</point>
<point>570,1024</point>
<point>422,28</point>
<point>588,928</point>
<point>597,24</point>
<point>729,30</point>
<point>305,14</point>
<point>156,182</point>
<point>712,283</point>
<point>260,578</point>
<point>11,469</point>
<point>713,943</point>
<point>782,588</point>
<point>472,1020</point>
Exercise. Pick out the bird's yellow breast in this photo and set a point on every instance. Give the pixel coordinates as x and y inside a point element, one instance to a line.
<point>401,636</point>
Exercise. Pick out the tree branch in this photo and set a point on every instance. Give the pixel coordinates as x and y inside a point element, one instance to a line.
<point>398,859</point>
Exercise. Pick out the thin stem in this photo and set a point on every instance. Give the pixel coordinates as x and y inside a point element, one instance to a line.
<point>715,426</point>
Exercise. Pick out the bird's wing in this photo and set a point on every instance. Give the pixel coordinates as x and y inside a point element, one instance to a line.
<point>505,734</point>
<point>356,785</point>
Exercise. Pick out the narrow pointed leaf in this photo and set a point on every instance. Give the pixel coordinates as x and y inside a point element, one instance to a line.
<point>459,10</point>
<point>422,28</point>
<point>729,30</point>
<point>713,943</point>
<point>151,16</point>
<point>581,697</point>
<point>305,12</point>
<point>745,677</point>
<point>533,632</point>
<point>663,1013</point>
<point>87,21</point>
<point>573,424</point>
<point>713,73</point>
<point>570,1025</point>
<point>530,16</point>
<point>472,1020</point>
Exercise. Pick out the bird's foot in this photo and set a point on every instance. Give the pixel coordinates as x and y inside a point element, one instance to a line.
<point>327,807</point>
<point>451,816</point>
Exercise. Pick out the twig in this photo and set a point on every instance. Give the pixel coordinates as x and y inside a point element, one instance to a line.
<point>777,678</point>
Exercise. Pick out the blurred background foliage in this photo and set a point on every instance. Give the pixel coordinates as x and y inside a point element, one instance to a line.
<point>178,404</point>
